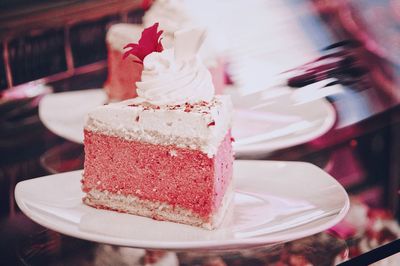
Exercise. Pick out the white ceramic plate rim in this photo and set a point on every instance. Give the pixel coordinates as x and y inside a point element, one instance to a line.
<point>223,244</point>
<point>294,139</point>
<point>77,138</point>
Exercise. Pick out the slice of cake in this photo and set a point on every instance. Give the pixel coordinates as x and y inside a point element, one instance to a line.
<point>166,154</point>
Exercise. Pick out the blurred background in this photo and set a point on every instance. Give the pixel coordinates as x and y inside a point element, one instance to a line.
<point>347,49</point>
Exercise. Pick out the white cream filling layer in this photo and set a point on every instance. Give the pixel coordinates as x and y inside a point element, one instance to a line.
<point>202,127</point>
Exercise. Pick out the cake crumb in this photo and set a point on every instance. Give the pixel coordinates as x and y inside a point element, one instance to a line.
<point>154,189</point>
<point>98,182</point>
<point>137,191</point>
<point>173,153</point>
<point>212,123</point>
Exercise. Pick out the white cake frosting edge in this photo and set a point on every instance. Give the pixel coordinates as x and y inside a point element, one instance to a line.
<point>121,34</point>
<point>203,128</point>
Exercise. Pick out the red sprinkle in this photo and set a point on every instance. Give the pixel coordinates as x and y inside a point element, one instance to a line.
<point>211,124</point>
<point>137,119</point>
<point>232,139</point>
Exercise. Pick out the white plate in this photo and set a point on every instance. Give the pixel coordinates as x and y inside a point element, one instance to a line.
<point>274,202</point>
<point>285,123</point>
<point>64,113</point>
<point>264,122</point>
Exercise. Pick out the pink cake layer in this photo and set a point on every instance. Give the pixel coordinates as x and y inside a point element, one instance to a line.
<point>180,177</point>
<point>122,76</point>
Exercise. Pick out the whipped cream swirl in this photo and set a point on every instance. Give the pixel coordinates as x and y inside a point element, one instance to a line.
<point>167,81</point>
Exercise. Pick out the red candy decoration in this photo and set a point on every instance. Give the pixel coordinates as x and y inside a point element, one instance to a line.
<point>149,42</point>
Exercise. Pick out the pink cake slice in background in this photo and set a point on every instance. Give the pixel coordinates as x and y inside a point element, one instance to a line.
<point>170,162</point>
<point>122,74</point>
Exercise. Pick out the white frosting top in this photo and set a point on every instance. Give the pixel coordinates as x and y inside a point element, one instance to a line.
<point>202,128</point>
